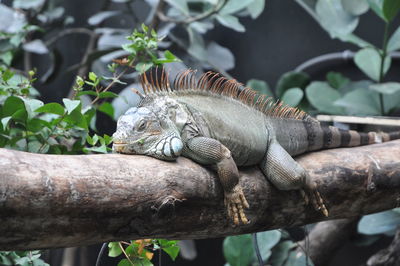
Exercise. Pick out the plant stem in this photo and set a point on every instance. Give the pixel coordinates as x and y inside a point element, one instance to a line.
<point>383,59</point>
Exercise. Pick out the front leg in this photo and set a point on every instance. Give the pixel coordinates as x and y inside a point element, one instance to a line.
<point>208,151</point>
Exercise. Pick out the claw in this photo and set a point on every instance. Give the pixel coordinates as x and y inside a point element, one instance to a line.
<point>235,202</point>
<point>316,199</point>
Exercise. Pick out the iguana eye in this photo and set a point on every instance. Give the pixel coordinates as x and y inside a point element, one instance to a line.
<point>141,126</point>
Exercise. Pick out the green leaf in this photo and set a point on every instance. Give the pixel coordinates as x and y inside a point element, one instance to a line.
<point>377,6</point>
<point>238,250</point>
<point>125,262</point>
<point>107,94</point>
<point>6,57</point>
<point>107,108</point>
<point>75,118</point>
<point>386,88</point>
<point>52,108</point>
<point>292,96</point>
<point>379,223</point>
<point>13,104</point>
<point>93,93</point>
<point>352,38</point>
<point>360,102</point>
<point>231,22</point>
<point>7,74</point>
<point>336,80</point>
<point>142,67</point>
<point>92,76</point>
<point>394,41</point>
<point>322,96</point>
<point>172,251</point>
<point>233,6</point>
<point>98,18</point>
<point>291,79</point>
<point>36,125</point>
<point>334,19</point>
<point>114,249</point>
<point>297,258</point>
<point>390,9</point>
<point>369,61</point>
<point>391,102</point>
<point>181,5</point>
<point>266,241</point>
<point>255,8</point>
<point>31,105</point>
<point>280,252</point>
<point>100,149</point>
<point>71,105</point>
<point>5,121</point>
<point>169,55</point>
<point>260,86</point>
<point>355,7</point>
<point>196,45</point>
<point>34,146</point>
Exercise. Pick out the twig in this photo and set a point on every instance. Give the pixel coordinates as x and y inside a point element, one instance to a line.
<point>83,69</point>
<point>189,19</point>
<point>155,22</point>
<point>67,32</point>
<point>110,85</point>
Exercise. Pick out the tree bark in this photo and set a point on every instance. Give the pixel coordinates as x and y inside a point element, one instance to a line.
<point>326,238</point>
<point>49,201</point>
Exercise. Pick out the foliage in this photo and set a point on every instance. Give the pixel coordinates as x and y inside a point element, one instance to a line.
<point>21,258</point>
<point>340,19</point>
<point>276,248</point>
<point>140,252</point>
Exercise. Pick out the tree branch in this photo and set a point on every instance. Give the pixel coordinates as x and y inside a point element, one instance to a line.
<point>63,200</point>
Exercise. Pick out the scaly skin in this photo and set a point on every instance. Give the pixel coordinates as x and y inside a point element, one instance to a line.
<point>216,123</point>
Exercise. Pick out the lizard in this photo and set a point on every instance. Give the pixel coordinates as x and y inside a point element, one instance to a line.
<point>219,123</point>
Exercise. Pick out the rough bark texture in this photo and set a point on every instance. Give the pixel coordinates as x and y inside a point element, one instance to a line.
<point>64,200</point>
<point>326,238</point>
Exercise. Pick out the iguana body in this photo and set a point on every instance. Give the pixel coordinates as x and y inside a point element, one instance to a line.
<point>217,123</point>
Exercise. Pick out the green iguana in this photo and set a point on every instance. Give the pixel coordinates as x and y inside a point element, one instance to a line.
<point>219,123</point>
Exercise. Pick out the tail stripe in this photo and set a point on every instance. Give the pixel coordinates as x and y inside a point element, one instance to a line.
<point>364,138</point>
<point>336,137</point>
<point>327,137</point>
<point>345,137</point>
<point>355,138</point>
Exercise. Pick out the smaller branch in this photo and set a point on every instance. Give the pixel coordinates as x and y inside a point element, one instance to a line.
<point>326,238</point>
<point>67,32</point>
<point>155,22</point>
<point>189,19</point>
<point>110,85</point>
<point>389,255</point>
<point>131,11</point>
<point>84,68</point>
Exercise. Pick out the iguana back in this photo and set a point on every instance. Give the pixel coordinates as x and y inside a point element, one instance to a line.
<point>219,123</point>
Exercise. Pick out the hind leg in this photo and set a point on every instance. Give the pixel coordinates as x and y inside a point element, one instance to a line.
<point>286,174</point>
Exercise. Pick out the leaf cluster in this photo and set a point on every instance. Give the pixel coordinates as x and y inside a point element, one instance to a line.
<point>276,248</point>
<point>340,18</point>
<point>140,252</point>
<point>21,258</point>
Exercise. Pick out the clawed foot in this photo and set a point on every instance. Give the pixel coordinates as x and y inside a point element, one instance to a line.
<point>235,202</point>
<point>312,194</point>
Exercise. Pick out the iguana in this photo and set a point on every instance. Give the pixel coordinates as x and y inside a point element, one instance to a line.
<point>219,123</point>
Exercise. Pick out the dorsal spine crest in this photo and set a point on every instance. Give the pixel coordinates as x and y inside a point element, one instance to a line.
<point>214,84</point>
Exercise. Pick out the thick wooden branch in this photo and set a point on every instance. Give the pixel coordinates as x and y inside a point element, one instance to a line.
<point>69,200</point>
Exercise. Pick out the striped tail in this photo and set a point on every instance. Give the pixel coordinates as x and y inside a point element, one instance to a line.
<point>333,137</point>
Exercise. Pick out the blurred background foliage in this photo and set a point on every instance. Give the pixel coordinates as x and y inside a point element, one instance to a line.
<point>69,69</point>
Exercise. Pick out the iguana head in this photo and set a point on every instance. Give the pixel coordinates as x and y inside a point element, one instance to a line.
<point>140,131</point>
